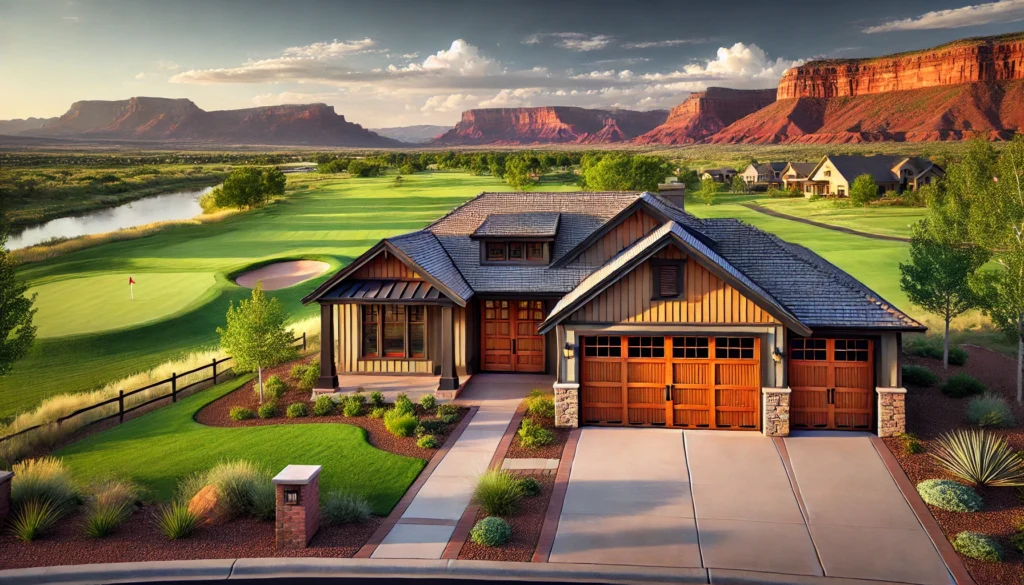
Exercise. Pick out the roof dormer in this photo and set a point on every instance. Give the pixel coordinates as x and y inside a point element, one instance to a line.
<point>517,238</point>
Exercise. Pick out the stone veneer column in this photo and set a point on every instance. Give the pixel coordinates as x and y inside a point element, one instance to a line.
<point>892,411</point>
<point>6,477</point>
<point>297,521</point>
<point>775,411</point>
<point>567,405</point>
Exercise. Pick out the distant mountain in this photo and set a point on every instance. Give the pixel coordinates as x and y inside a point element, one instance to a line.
<point>19,126</point>
<point>162,119</point>
<point>545,125</point>
<point>420,134</point>
<point>705,113</point>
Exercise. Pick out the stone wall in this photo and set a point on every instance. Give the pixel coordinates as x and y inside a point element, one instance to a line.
<point>567,405</point>
<point>892,411</point>
<point>775,411</point>
<point>5,494</point>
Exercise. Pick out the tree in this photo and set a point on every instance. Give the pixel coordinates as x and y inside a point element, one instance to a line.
<point>738,184</point>
<point>864,190</point>
<point>255,335</point>
<point>244,188</point>
<point>939,277</point>
<point>16,329</point>
<point>518,173</point>
<point>690,178</point>
<point>709,191</point>
<point>273,182</point>
<point>621,172</point>
<point>362,168</point>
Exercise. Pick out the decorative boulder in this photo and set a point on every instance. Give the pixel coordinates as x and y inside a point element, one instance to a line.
<point>209,506</point>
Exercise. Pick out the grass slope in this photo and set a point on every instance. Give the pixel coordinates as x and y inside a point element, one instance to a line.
<point>886,221</point>
<point>160,448</point>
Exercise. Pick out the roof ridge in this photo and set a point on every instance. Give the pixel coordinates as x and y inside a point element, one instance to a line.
<point>452,260</point>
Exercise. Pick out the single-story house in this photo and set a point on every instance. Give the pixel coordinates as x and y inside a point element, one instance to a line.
<point>834,174</point>
<point>644,315</point>
<point>720,175</point>
<point>764,174</point>
<point>796,175</point>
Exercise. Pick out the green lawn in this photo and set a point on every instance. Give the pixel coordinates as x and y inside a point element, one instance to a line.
<point>887,221</point>
<point>158,449</point>
<point>334,220</point>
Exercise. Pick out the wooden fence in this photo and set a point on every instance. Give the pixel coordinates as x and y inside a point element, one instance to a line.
<point>121,394</point>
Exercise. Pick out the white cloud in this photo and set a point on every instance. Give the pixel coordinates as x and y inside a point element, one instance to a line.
<point>573,41</point>
<point>71,18</point>
<point>292,97</point>
<point>461,58</point>
<point>449,103</point>
<point>512,98</point>
<point>740,65</point>
<point>977,14</point>
<point>167,66</point>
<point>627,61</point>
<point>141,75</point>
<point>661,44</point>
<point>334,49</point>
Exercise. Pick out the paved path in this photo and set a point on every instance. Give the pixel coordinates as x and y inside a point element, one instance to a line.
<point>428,523</point>
<point>835,228</point>
<point>723,500</point>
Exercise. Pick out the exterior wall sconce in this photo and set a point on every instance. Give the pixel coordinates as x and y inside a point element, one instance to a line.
<point>777,355</point>
<point>569,351</point>
<point>291,497</point>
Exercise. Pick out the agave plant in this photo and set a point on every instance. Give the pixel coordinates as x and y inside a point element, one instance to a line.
<point>979,457</point>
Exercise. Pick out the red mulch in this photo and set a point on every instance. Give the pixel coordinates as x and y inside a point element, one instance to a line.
<point>216,413</point>
<point>551,451</point>
<point>929,414</point>
<point>139,540</point>
<point>526,524</point>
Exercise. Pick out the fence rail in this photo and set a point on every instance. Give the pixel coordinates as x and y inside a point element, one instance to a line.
<point>121,394</point>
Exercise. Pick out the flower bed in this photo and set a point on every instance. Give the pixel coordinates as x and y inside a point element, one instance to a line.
<point>526,524</point>
<point>929,414</point>
<point>552,450</point>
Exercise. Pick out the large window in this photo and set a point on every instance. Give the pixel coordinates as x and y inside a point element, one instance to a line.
<point>394,331</point>
<point>734,348</point>
<point>515,252</point>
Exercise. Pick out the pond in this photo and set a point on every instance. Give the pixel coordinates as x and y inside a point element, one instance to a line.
<point>169,206</point>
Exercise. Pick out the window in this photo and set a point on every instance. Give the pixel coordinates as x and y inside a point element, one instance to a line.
<point>535,251</point>
<point>646,347</point>
<point>394,331</point>
<point>734,348</point>
<point>602,346</point>
<point>668,280</point>
<point>811,350</point>
<point>828,173</point>
<point>496,251</point>
<point>515,251</point>
<point>690,348</point>
<point>840,191</point>
<point>851,350</point>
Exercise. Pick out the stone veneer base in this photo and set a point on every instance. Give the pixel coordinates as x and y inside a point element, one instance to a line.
<point>567,405</point>
<point>775,411</point>
<point>892,411</point>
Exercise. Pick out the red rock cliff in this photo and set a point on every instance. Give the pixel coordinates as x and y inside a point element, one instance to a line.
<point>985,59</point>
<point>706,113</point>
<point>550,124</point>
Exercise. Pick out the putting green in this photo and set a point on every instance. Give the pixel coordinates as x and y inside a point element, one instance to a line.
<point>93,304</point>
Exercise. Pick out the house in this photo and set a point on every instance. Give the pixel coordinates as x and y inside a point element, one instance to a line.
<point>834,174</point>
<point>764,174</point>
<point>644,315</point>
<point>796,175</point>
<point>720,175</point>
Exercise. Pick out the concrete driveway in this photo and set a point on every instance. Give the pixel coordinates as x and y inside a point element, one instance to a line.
<point>725,500</point>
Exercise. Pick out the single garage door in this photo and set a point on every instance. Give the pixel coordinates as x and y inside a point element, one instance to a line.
<point>679,381</point>
<point>833,382</point>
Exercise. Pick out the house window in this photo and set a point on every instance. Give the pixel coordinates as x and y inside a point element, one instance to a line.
<point>734,348</point>
<point>668,280</point>
<point>394,331</point>
<point>515,251</point>
<point>535,251</point>
<point>851,350</point>
<point>496,251</point>
<point>810,350</point>
<point>602,346</point>
<point>828,173</point>
<point>840,191</point>
<point>690,348</point>
<point>646,347</point>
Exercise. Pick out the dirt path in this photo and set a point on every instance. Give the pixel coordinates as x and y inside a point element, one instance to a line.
<point>773,213</point>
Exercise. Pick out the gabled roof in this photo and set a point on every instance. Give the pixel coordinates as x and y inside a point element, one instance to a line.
<point>852,166</point>
<point>519,225</point>
<point>645,248</point>
<point>803,169</point>
<point>771,166</point>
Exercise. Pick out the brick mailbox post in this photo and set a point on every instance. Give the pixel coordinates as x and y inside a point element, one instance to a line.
<point>298,505</point>
<point>5,494</point>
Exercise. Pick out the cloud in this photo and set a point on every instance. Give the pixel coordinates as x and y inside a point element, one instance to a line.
<point>627,61</point>
<point>141,75</point>
<point>324,50</point>
<point>661,44</point>
<point>167,66</point>
<point>974,15</point>
<point>741,65</point>
<point>573,41</point>
<point>71,18</point>
<point>292,97</point>
<point>449,103</point>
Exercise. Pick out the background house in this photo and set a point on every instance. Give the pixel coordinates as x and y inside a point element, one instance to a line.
<point>834,174</point>
<point>764,174</point>
<point>719,175</point>
<point>796,175</point>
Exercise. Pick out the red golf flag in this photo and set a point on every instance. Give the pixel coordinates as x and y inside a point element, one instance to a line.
<point>131,280</point>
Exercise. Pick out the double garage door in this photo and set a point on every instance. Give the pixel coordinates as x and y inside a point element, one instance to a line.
<point>677,381</point>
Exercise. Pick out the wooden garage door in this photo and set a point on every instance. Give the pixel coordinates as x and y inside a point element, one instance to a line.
<point>684,382</point>
<point>832,382</point>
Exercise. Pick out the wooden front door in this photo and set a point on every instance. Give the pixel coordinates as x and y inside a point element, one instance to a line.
<point>832,382</point>
<point>679,382</point>
<point>510,339</point>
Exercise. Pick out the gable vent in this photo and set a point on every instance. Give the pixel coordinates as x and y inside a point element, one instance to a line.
<point>668,280</point>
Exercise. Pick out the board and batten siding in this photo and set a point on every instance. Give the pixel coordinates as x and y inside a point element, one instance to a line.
<point>629,231</point>
<point>707,299</point>
<point>385,267</point>
<point>349,355</point>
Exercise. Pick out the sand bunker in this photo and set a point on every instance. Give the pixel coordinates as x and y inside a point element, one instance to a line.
<point>283,274</point>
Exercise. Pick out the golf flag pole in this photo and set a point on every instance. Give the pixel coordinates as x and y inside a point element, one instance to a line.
<point>131,287</point>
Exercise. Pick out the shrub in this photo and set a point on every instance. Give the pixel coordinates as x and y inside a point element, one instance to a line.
<point>344,508</point>
<point>925,347</point>
<point>34,517</point>
<point>949,495</point>
<point>43,480</point>
<point>532,435</point>
<point>377,399</point>
<point>378,412</point>
<point>404,405</point>
<point>427,442</point>
<point>273,388</point>
<point>430,426</point>
<point>189,486</point>
<point>428,402</point>
<point>297,410</point>
<point>911,445</point>
<point>990,410</point>
<point>1017,540</point>
<point>241,413</point>
<point>979,457</point>
<point>323,406</point>
<point>491,531</point>
<point>978,546</point>
<point>267,410</point>
<point>498,492</point>
<point>352,408</point>
<point>962,385</point>
<point>306,375</point>
<point>919,376</point>
<point>176,521</point>
<point>112,503</point>
<point>530,486</point>
<point>400,423</point>
<point>540,404</point>
<point>246,487</point>
<point>447,413</point>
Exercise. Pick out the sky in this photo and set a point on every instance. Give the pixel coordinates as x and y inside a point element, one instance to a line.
<point>388,63</point>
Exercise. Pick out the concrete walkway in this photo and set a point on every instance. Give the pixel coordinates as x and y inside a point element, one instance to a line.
<point>723,500</point>
<point>427,525</point>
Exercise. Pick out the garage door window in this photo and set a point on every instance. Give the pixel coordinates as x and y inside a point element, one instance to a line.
<point>734,348</point>
<point>851,350</point>
<point>690,348</point>
<point>602,346</point>
<point>811,350</point>
<point>646,347</point>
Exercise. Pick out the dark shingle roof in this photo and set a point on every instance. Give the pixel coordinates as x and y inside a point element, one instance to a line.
<point>878,166</point>
<point>520,225</point>
<point>424,249</point>
<point>803,168</point>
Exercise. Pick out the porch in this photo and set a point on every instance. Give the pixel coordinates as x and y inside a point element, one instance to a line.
<point>413,386</point>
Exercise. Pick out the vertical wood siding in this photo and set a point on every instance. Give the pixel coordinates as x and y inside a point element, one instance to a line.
<point>707,299</point>
<point>630,230</point>
<point>389,268</point>
<point>349,359</point>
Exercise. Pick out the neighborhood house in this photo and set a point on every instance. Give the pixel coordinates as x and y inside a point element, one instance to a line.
<point>764,174</point>
<point>833,175</point>
<point>722,175</point>
<point>644,314</point>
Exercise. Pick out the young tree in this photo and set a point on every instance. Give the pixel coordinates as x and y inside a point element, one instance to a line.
<point>255,335</point>
<point>863,191</point>
<point>738,184</point>
<point>16,329</point>
<point>244,188</point>
<point>273,182</point>
<point>709,191</point>
<point>939,277</point>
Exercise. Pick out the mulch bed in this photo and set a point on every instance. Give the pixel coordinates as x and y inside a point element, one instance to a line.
<point>216,414</point>
<point>551,451</point>
<point>929,414</point>
<point>139,540</point>
<point>526,525</point>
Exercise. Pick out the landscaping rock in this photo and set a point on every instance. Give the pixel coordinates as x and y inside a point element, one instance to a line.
<point>210,506</point>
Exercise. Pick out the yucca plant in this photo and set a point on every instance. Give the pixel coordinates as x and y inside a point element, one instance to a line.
<point>112,503</point>
<point>176,521</point>
<point>34,517</point>
<point>979,457</point>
